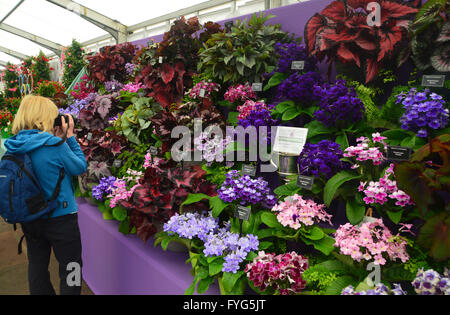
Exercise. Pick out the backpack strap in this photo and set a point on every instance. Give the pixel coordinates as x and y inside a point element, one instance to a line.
<point>20,163</point>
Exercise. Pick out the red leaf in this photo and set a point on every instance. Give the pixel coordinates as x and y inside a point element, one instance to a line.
<point>167,73</point>
<point>335,11</point>
<point>389,41</point>
<point>347,56</point>
<point>395,10</point>
<point>365,44</point>
<point>180,69</point>
<point>372,68</point>
<point>313,26</point>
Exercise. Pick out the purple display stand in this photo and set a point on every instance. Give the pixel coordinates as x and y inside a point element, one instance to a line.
<point>116,264</point>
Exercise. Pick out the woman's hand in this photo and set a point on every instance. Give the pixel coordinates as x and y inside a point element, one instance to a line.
<point>66,130</point>
<point>71,126</point>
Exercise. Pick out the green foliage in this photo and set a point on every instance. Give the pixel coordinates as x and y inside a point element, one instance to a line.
<point>134,123</point>
<point>40,68</point>
<point>319,281</point>
<point>244,54</point>
<point>73,62</point>
<point>132,158</point>
<point>11,79</point>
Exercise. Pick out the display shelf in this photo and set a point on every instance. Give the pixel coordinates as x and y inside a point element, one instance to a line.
<point>117,264</point>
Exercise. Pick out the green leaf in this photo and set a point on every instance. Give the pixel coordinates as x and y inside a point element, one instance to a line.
<point>275,80</point>
<point>287,189</point>
<point>191,289</point>
<point>204,284</point>
<point>316,128</point>
<point>232,117</point>
<point>107,215</point>
<point>270,219</point>
<point>334,183</point>
<point>124,227</point>
<point>264,245</point>
<point>215,267</point>
<point>435,236</point>
<point>355,211</point>
<point>290,114</point>
<point>217,206</point>
<point>284,106</point>
<point>338,285</point>
<point>314,234</point>
<point>229,279</point>
<point>120,214</point>
<point>194,198</point>
<point>202,272</point>
<point>324,245</point>
<point>395,216</point>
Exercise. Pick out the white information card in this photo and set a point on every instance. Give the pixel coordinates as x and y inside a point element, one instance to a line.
<point>290,140</point>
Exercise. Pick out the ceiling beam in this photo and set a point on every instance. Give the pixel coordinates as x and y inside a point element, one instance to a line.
<point>12,11</point>
<point>115,28</point>
<point>56,48</point>
<point>3,63</point>
<point>13,53</point>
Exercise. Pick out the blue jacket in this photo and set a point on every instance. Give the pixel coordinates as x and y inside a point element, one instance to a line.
<point>47,162</point>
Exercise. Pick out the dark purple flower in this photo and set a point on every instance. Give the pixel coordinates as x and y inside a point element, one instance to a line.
<point>299,87</point>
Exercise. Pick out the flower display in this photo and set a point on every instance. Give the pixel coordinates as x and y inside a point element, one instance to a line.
<point>120,192</point>
<point>367,149</point>
<point>424,111</point>
<point>260,116</point>
<point>296,211</point>
<point>378,192</point>
<point>248,107</point>
<point>204,89</point>
<point>240,93</point>
<point>245,190</point>
<point>338,105</point>
<point>113,86</point>
<point>321,159</point>
<point>212,148</point>
<point>299,87</point>
<point>371,240</point>
<point>293,52</point>
<point>132,88</point>
<point>430,282</point>
<point>81,90</point>
<point>106,185</point>
<point>217,241</point>
<point>380,289</point>
<point>282,273</point>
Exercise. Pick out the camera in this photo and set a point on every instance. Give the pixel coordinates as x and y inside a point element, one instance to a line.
<point>58,120</point>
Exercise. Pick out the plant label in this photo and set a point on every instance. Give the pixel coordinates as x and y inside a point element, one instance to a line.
<point>305,182</point>
<point>160,59</point>
<point>249,170</point>
<point>89,136</point>
<point>396,153</point>
<point>229,25</point>
<point>153,151</point>
<point>202,93</point>
<point>117,163</point>
<point>433,80</point>
<point>290,140</point>
<point>257,87</point>
<point>298,65</point>
<point>243,213</point>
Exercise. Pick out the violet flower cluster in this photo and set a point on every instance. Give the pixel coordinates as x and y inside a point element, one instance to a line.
<point>212,148</point>
<point>283,273</point>
<point>339,106</point>
<point>370,241</point>
<point>113,86</point>
<point>240,93</point>
<point>378,192</point>
<point>321,159</point>
<point>293,52</point>
<point>431,282</point>
<point>217,241</point>
<point>425,111</point>
<point>204,89</point>
<point>249,106</point>
<point>246,191</point>
<point>79,104</point>
<point>106,185</point>
<point>380,289</point>
<point>129,68</point>
<point>299,88</point>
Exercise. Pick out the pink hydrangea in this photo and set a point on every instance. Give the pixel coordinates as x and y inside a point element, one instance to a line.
<point>248,106</point>
<point>241,93</point>
<point>370,241</point>
<point>207,87</point>
<point>296,211</point>
<point>366,150</point>
<point>378,192</point>
<point>283,273</point>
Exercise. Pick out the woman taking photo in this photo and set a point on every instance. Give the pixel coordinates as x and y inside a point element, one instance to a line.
<point>50,149</point>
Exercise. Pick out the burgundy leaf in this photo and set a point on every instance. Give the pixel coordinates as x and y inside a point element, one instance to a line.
<point>372,68</point>
<point>167,73</point>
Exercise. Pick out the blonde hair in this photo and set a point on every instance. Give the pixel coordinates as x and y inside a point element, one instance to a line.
<point>35,112</point>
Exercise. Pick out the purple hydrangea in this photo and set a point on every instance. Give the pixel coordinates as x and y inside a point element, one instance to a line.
<point>246,191</point>
<point>425,111</point>
<point>113,86</point>
<point>260,117</point>
<point>217,241</point>
<point>293,52</point>
<point>299,88</point>
<point>321,159</point>
<point>339,106</point>
<point>106,185</point>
